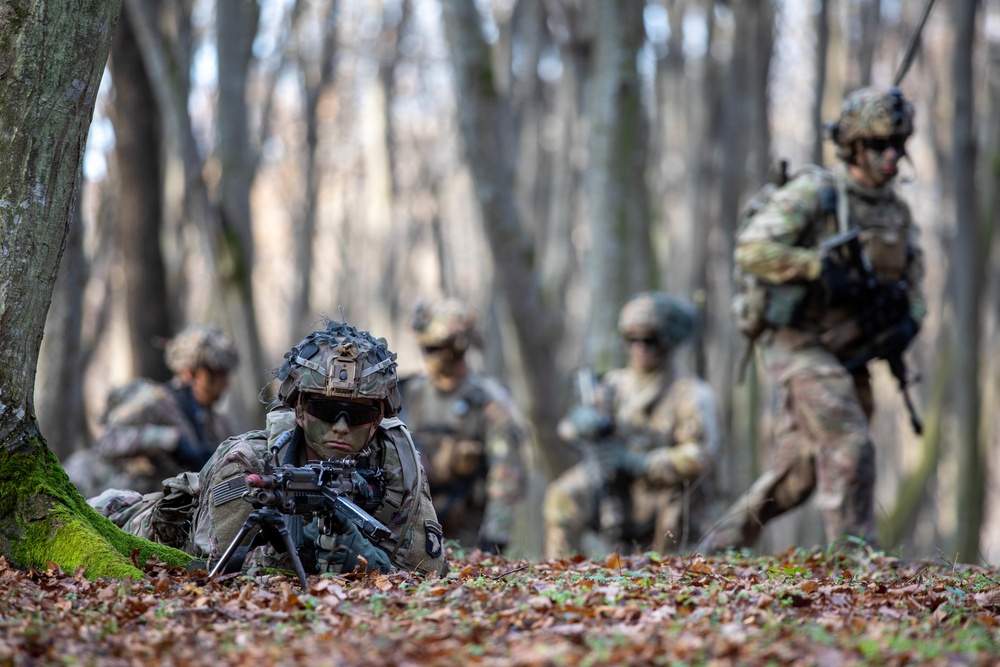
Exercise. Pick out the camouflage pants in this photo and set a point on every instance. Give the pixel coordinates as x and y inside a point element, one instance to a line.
<point>578,510</point>
<point>164,516</point>
<point>822,443</point>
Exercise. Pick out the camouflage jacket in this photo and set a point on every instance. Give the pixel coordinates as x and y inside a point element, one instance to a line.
<point>673,420</point>
<point>143,424</point>
<point>780,244</point>
<point>405,505</point>
<point>471,441</point>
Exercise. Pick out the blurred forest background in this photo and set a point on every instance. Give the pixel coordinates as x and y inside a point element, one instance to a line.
<point>262,164</point>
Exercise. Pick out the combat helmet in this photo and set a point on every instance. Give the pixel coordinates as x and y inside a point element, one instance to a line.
<point>341,362</point>
<point>201,346</point>
<point>667,318</point>
<point>447,323</point>
<point>870,113</point>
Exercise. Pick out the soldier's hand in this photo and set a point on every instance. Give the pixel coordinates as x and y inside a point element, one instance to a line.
<point>617,457</point>
<point>900,336</point>
<point>839,287</point>
<point>454,459</point>
<point>586,423</point>
<point>467,458</point>
<point>340,553</point>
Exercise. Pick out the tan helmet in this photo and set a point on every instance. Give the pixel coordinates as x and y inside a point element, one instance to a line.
<point>667,318</point>
<point>201,346</point>
<point>341,362</point>
<point>447,323</point>
<point>870,113</point>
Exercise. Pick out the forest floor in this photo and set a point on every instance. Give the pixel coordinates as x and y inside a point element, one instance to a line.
<point>797,608</point>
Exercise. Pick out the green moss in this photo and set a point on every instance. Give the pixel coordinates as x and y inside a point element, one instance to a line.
<point>47,520</point>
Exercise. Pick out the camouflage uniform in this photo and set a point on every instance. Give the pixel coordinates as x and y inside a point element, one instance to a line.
<point>821,433</point>
<point>670,424</point>
<point>470,438</point>
<point>147,424</point>
<point>201,514</point>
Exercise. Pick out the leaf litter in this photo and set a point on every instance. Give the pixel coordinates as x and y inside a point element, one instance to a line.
<point>796,608</point>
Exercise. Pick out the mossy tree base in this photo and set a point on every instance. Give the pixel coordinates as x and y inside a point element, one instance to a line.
<point>43,519</point>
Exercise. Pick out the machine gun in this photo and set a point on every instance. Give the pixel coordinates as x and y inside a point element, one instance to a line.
<point>882,321</point>
<point>612,497</point>
<point>322,489</point>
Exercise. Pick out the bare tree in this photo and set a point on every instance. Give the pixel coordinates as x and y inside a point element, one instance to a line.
<point>139,210</point>
<point>487,128</point>
<point>620,262</point>
<point>51,62</point>
<point>969,274</point>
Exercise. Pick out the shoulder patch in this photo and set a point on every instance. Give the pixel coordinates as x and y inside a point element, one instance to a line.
<point>230,489</point>
<point>433,538</point>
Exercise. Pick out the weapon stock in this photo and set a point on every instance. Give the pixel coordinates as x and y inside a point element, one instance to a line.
<point>612,501</point>
<point>320,489</point>
<point>887,343</point>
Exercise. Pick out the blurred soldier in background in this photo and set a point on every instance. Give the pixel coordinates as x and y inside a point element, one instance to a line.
<point>840,249</point>
<point>338,397</point>
<point>652,434</point>
<point>153,431</point>
<point>469,433</point>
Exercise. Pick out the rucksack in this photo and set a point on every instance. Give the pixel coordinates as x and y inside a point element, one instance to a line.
<point>758,305</point>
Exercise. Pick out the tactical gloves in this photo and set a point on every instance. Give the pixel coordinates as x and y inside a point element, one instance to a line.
<point>586,423</point>
<point>455,459</point>
<point>339,553</point>
<point>901,335</point>
<point>616,457</point>
<point>838,285</point>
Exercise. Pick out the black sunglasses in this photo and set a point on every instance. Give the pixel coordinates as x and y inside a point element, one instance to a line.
<point>879,144</point>
<point>648,342</point>
<point>331,411</point>
<point>438,349</point>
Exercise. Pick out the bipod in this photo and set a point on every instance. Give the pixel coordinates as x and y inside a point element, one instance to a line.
<point>269,524</point>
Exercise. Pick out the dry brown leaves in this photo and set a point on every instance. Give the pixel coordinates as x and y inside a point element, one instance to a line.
<point>797,608</point>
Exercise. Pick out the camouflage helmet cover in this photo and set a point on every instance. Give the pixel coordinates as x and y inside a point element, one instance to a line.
<point>341,362</point>
<point>201,346</point>
<point>869,112</point>
<point>446,323</point>
<point>669,318</point>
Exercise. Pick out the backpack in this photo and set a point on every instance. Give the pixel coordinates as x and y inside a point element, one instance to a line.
<point>758,305</point>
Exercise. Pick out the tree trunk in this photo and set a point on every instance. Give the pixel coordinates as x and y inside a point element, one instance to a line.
<point>224,249</point>
<point>317,75</point>
<point>486,125</point>
<point>139,213</point>
<point>59,384</point>
<point>620,261</point>
<point>49,76</point>
<point>968,291</point>
<point>822,54</point>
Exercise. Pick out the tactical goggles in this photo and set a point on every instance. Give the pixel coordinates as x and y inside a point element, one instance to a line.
<point>329,411</point>
<point>879,144</point>
<point>440,350</point>
<point>645,342</point>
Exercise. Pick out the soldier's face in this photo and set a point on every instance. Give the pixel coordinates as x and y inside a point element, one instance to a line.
<point>336,428</point>
<point>645,353</point>
<point>444,363</point>
<point>878,160</point>
<point>207,386</point>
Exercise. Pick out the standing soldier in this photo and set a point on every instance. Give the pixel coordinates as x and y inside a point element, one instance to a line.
<point>467,429</point>
<point>852,302</point>
<point>339,398</point>
<point>153,431</point>
<point>654,435</point>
